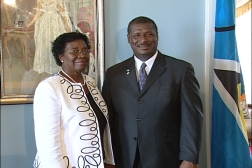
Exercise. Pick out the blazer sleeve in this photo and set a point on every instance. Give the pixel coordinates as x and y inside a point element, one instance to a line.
<point>47,113</point>
<point>191,116</point>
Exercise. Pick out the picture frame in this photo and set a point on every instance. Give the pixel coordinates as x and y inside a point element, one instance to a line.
<point>22,45</point>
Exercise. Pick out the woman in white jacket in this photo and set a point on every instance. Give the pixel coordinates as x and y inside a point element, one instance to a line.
<point>70,115</point>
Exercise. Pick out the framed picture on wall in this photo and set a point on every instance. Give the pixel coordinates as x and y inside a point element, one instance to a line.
<point>27,29</point>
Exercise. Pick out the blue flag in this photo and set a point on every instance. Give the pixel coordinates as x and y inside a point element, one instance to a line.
<point>230,148</point>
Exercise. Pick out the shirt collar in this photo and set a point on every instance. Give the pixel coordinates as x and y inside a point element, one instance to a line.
<point>149,62</point>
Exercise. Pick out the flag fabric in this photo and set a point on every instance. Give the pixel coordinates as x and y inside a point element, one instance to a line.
<point>229,143</point>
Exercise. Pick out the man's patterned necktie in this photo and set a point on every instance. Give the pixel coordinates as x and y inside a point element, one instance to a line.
<point>142,76</point>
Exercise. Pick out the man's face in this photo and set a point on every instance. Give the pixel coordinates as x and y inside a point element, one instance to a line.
<point>143,40</point>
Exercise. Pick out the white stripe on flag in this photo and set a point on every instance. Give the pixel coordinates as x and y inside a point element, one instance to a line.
<point>229,102</point>
<point>229,65</point>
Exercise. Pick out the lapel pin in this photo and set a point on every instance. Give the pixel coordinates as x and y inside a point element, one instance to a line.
<point>127,71</point>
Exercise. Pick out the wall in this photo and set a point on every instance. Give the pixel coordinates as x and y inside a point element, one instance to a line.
<point>243,37</point>
<point>17,136</point>
<point>181,34</point>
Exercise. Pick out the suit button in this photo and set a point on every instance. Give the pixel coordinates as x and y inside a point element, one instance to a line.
<point>140,101</point>
<point>138,119</point>
<point>135,138</point>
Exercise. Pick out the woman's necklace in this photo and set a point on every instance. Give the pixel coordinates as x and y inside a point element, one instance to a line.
<point>72,78</point>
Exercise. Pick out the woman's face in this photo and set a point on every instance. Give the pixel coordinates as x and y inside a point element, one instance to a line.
<point>75,57</point>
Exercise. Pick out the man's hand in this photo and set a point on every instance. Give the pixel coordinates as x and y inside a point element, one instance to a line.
<point>108,165</point>
<point>187,164</point>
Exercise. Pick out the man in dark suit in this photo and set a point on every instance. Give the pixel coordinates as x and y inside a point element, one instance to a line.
<point>157,125</point>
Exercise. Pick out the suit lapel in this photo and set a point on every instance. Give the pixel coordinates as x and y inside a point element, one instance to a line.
<point>130,74</point>
<point>156,71</point>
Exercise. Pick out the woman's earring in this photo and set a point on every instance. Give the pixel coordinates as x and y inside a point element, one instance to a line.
<point>61,61</point>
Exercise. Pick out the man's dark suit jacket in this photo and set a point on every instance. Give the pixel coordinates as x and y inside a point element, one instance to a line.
<point>165,119</point>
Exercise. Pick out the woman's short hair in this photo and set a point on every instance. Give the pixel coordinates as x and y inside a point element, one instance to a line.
<point>59,44</point>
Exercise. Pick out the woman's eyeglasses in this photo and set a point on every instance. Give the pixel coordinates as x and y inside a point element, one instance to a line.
<point>77,52</point>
